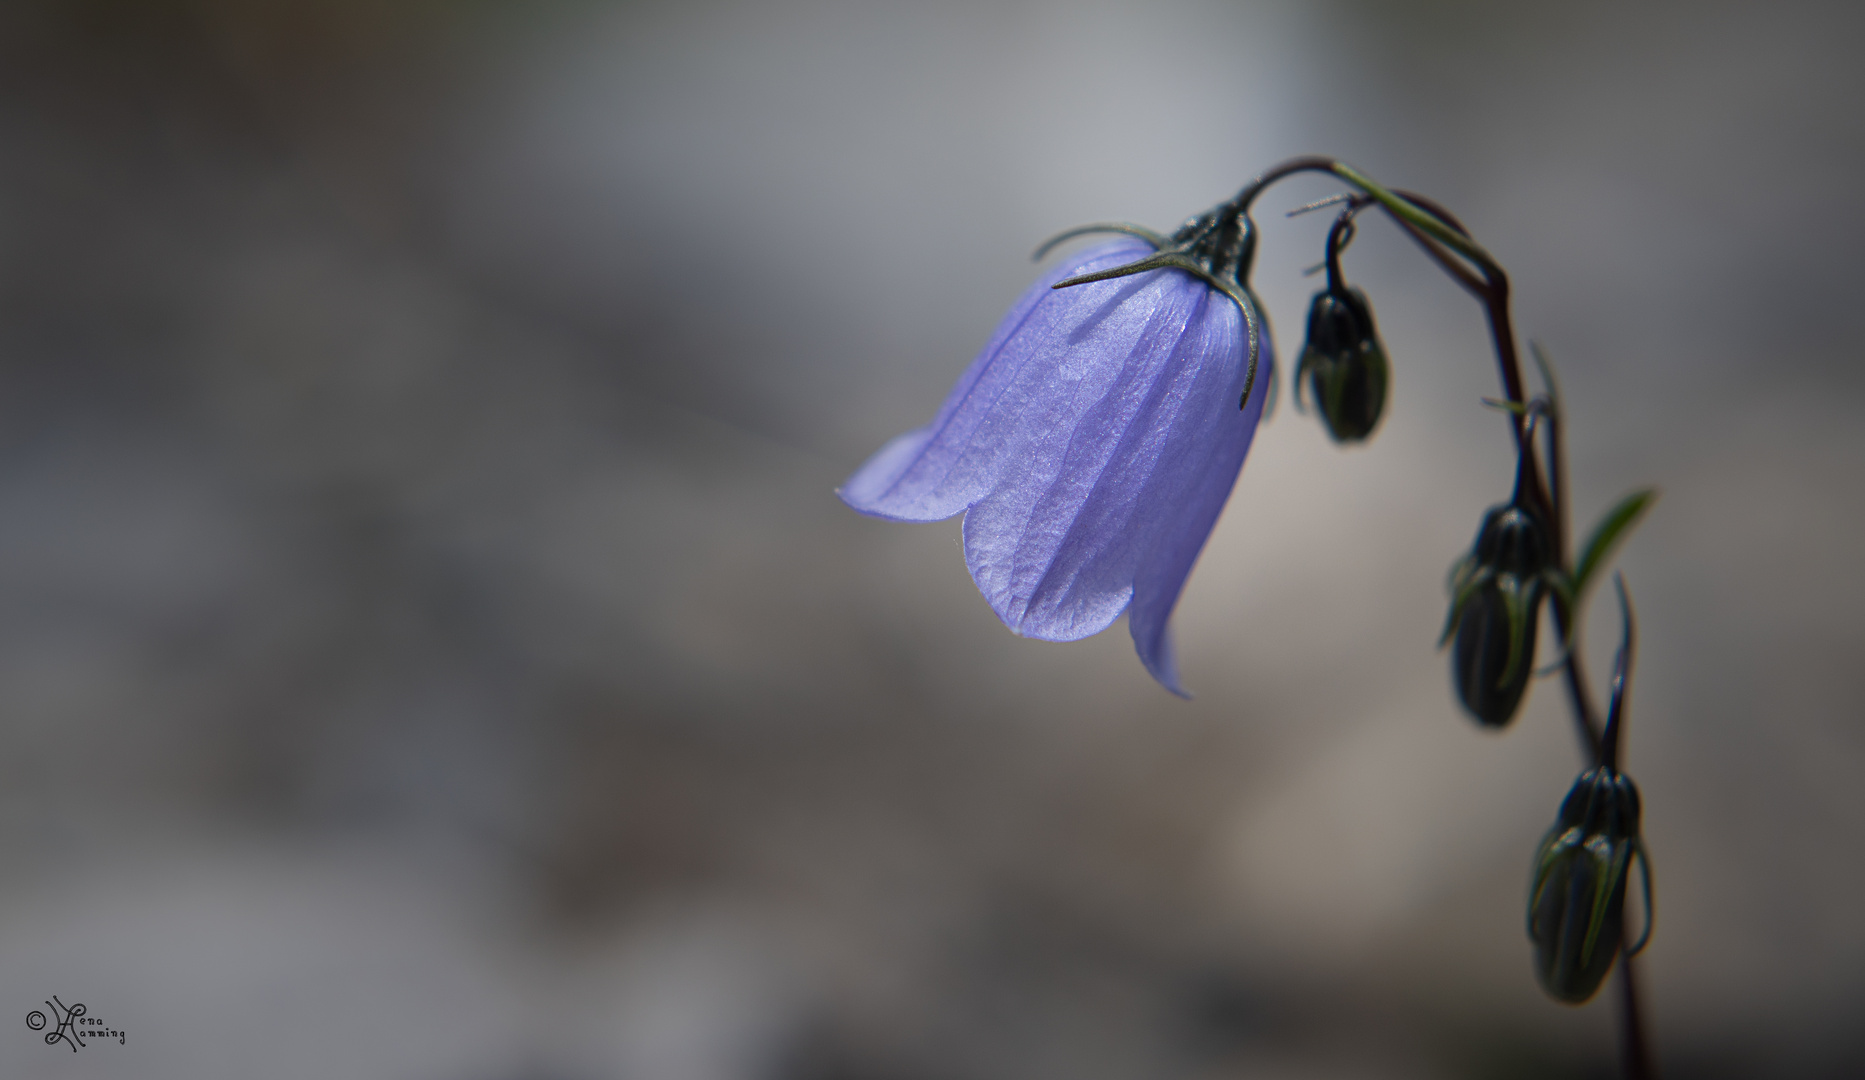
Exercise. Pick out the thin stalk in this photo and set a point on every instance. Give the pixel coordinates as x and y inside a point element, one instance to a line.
<point>1634,1052</point>
<point>1339,236</point>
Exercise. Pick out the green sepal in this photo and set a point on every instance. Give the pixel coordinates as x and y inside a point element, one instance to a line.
<point>1302,364</point>
<point>1552,844</point>
<point>1378,375</point>
<point>1604,885</point>
<point>1466,580</point>
<point>1522,600</point>
<point>1644,873</point>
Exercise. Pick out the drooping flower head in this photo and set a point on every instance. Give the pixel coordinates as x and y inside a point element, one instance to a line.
<point>1094,441</point>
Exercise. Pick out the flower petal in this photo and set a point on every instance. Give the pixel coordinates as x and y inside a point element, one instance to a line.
<point>1203,489</point>
<point>939,470</point>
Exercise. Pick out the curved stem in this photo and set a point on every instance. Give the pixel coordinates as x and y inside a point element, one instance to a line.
<point>1471,282</point>
<point>1579,693</point>
<point>1305,163</point>
<point>1339,236</point>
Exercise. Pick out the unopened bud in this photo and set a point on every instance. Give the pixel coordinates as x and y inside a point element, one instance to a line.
<point>1496,600</point>
<point>1345,364</point>
<point>1576,905</point>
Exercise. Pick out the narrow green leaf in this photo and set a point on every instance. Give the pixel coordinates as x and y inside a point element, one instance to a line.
<point>1606,535</point>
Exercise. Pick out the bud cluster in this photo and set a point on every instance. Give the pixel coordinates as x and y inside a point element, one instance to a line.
<point>1518,560</point>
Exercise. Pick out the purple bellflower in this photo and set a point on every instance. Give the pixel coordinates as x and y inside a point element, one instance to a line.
<point>1093,443</point>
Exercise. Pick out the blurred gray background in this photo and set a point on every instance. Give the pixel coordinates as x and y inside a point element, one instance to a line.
<point>430,647</point>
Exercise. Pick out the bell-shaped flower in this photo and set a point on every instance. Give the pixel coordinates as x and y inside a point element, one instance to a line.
<point>1090,446</point>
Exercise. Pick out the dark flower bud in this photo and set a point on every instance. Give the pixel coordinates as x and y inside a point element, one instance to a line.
<point>1344,363</point>
<point>1496,597</point>
<point>1576,904</point>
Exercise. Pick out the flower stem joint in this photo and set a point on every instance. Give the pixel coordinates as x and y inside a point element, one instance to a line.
<point>1577,897</point>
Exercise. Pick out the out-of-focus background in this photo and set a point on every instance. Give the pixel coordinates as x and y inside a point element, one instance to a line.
<point>430,646</point>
